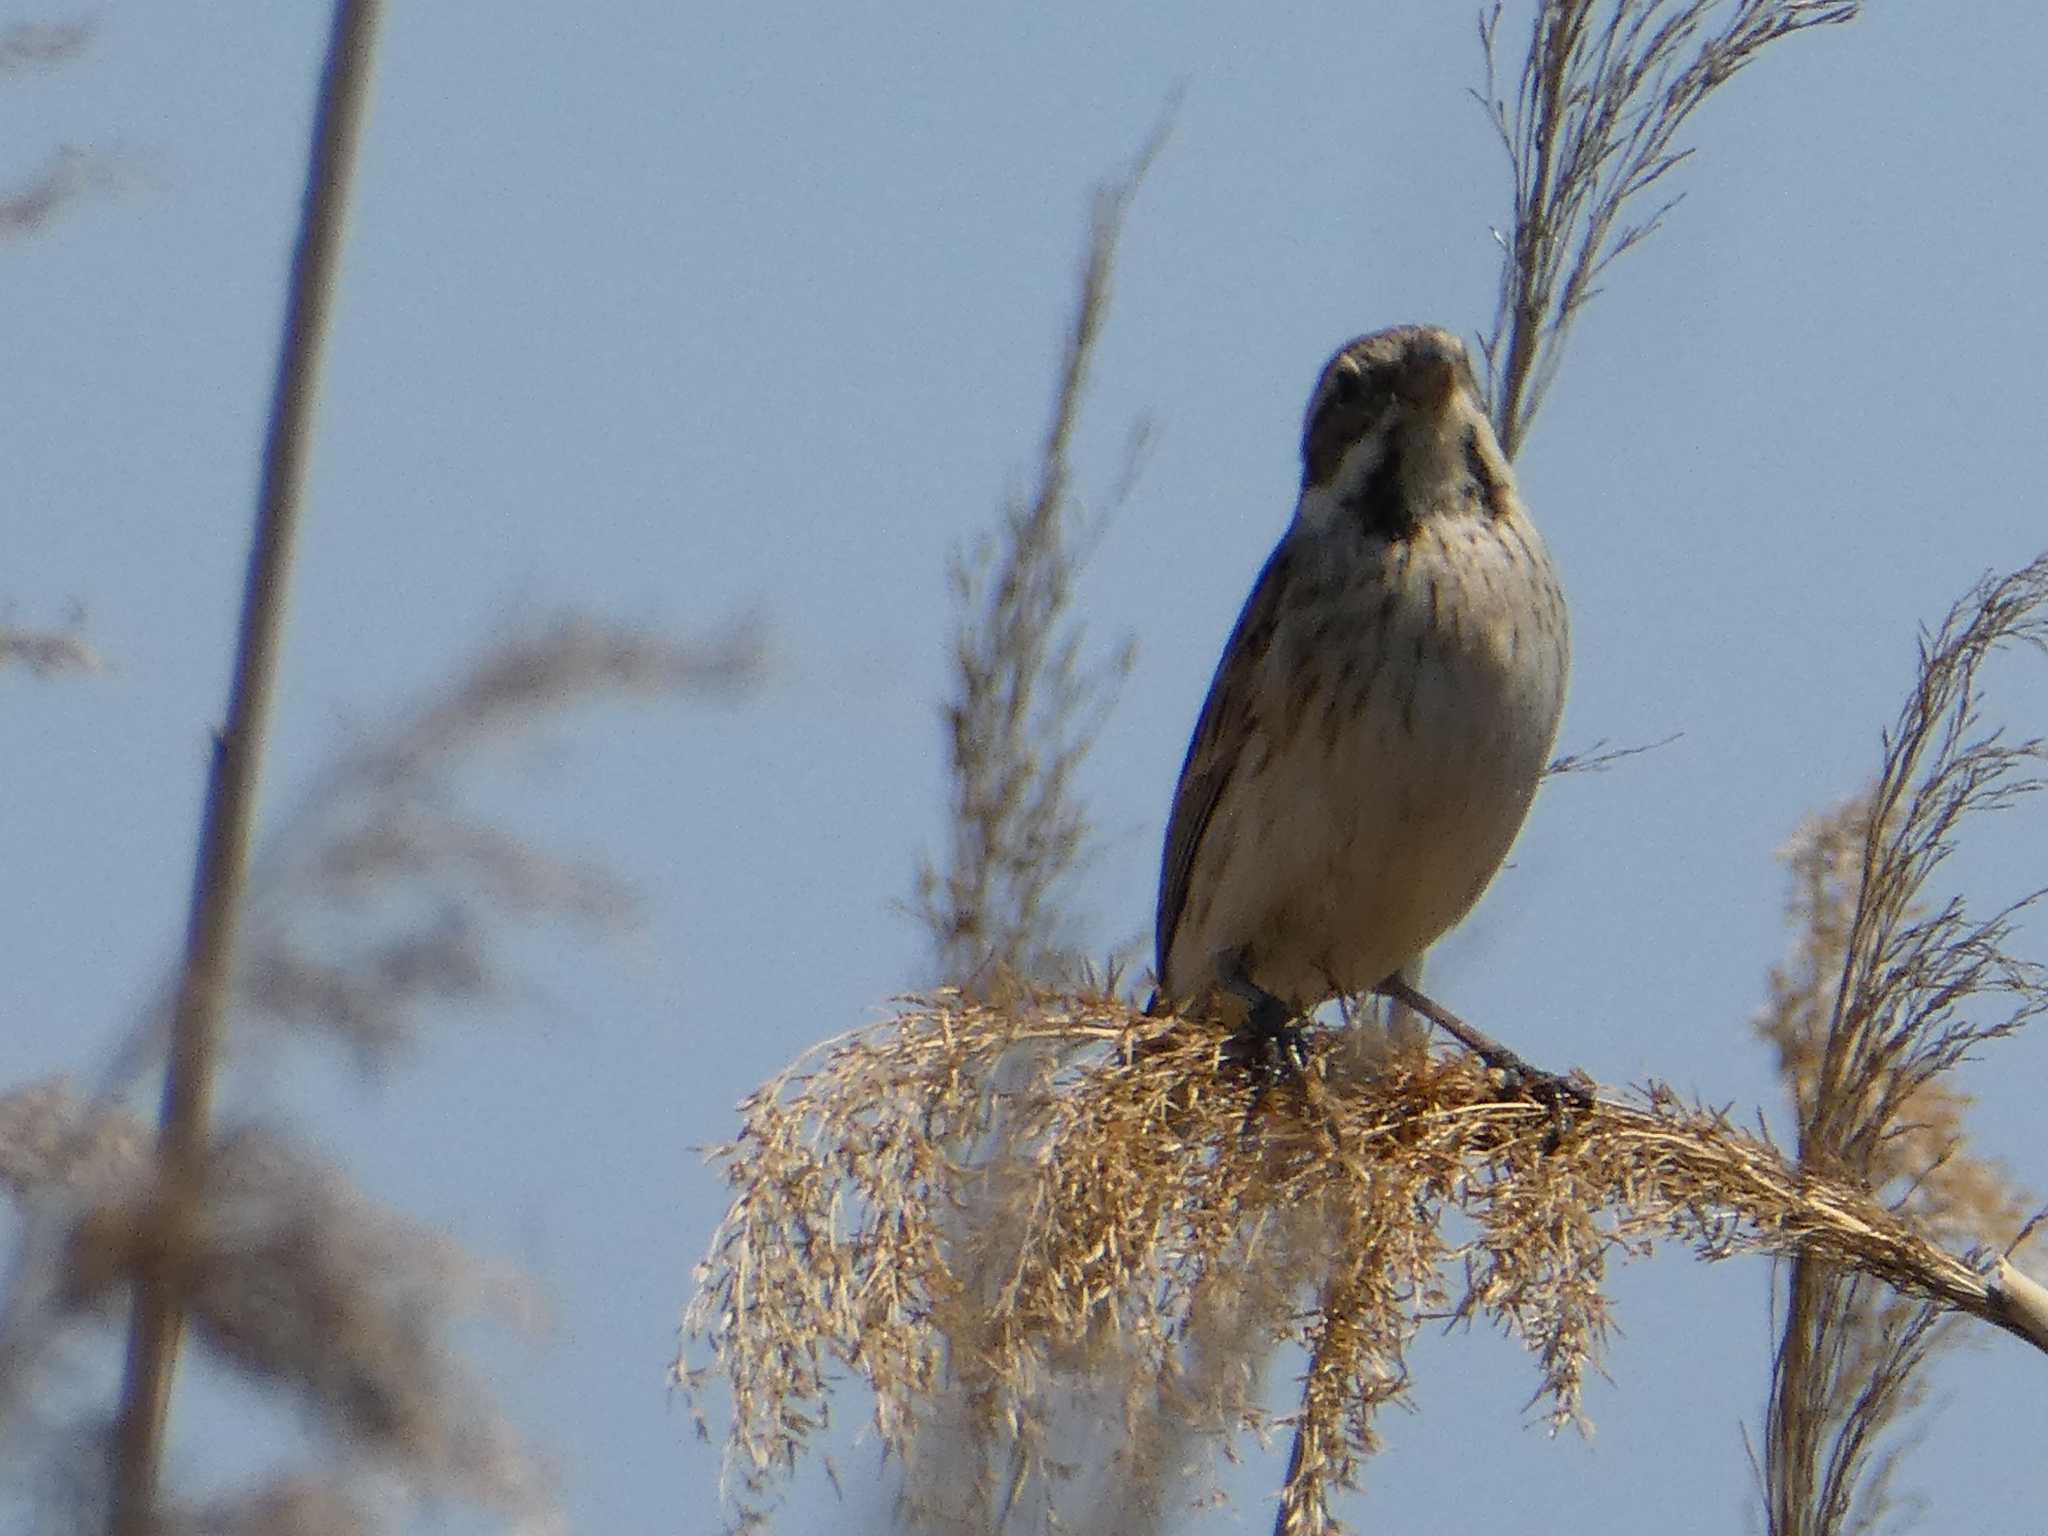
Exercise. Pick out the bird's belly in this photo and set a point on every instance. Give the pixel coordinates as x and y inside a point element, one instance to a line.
<point>1382,836</point>
<point>1394,746</point>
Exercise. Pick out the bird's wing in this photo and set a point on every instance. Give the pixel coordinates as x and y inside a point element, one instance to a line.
<point>1227,723</point>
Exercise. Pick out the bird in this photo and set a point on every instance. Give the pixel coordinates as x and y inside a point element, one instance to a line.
<point>1381,715</point>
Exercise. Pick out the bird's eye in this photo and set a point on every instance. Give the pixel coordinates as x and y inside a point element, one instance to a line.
<point>1346,384</point>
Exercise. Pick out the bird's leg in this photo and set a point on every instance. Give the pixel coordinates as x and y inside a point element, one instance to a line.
<point>1485,1047</point>
<point>1547,1086</point>
<point>1269,1039</point>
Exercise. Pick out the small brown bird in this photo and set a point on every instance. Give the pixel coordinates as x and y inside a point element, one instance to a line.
<point>1383,710</point>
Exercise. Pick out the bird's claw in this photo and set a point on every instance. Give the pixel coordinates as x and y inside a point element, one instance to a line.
<point>1558,1090</point>
<point>1271,1042</point>
<point>1273,1054</point>
<point>1563,1094</point>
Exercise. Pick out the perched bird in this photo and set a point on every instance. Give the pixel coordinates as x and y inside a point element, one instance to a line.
<point>1382,713</point>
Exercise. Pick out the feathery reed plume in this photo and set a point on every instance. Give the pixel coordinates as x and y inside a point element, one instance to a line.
<point>49,652</point>
<point>1604,89</point>
<point>1026,709</point>
<point>1128,1187</point>
<point>29,48</point>
<point>1890,990</point>
<point>1025,713</point>
<point>377,897</point>
<point>380,899</point>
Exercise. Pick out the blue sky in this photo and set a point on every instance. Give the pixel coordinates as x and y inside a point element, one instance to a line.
<point>680,313</point>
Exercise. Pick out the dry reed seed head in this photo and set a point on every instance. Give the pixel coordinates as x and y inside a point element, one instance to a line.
<point>291,1506</point>
<point>28,46</point>
<point>377,900</point>
<point>1887,991</point>
<point>1890,989</point>
<point>1024,714</point>
<point>1118,1201</point>
<point>47,653</point>
<point>1025,710</point>
<point>68,173</point>
<point>1592,128</point>
<point>289,1276</point>
<point>54,1142</point>
<point>295,1279</point>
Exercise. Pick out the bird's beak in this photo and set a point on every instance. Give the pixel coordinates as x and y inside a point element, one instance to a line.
<point>1430,378</point>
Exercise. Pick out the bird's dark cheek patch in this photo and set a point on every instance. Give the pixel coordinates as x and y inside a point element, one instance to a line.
<point>1486,482</point>
<point>1380,506</point>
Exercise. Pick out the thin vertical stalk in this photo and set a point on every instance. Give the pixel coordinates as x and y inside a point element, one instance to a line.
<point>222,866</point>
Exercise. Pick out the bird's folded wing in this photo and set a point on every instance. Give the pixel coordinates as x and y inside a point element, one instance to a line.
<point>1228,722</point>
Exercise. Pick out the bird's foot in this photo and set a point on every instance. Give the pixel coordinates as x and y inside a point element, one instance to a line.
<point>1270,1047</point>
<point>1271,1043</point>
<point>1558,1090</point>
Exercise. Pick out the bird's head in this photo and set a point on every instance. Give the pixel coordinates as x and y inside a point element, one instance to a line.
<point>1395,433</point>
